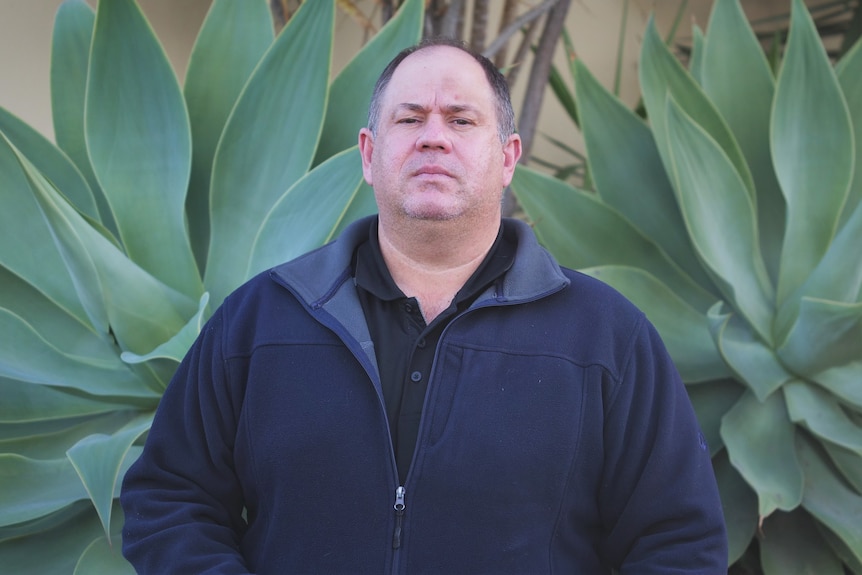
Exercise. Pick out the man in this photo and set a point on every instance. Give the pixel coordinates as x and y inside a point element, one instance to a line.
<point>430,393</point>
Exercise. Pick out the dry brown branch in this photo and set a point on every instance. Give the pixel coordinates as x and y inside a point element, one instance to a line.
<point>505,19</point>
<point>536,85</point>
<point>351,9</point>
<point>521,54</point>
<point>452,22</point>
<point>387,10</point>
<point>280,12</point>
<point>479,27</point>
<point>518,23</point>
<point>539,73</point>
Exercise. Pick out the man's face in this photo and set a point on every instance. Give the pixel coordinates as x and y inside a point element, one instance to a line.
<point>437,154</point>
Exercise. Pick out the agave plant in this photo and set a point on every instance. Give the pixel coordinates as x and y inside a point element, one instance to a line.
<point>733,219</point>
<point>155,203</point>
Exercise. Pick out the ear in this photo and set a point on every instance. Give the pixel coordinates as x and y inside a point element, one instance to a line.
<point>366,149</point>
<point>511,155</point>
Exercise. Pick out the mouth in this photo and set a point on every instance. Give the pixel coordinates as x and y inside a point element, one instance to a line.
<point>432,171</point>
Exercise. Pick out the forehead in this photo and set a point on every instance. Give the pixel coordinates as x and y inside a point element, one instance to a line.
<point>439,73</point>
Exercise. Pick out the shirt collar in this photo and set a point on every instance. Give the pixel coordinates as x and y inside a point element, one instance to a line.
<point>372,275</point>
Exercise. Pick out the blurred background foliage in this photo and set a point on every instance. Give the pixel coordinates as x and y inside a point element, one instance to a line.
<point>727,207</point>
<point>120,239</point>
<point>724,203</point>
<point>838,23</point>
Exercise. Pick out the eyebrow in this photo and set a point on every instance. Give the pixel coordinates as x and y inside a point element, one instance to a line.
<point>451,109</point>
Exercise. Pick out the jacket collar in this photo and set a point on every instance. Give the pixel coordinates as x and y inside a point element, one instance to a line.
<point>318,275</point>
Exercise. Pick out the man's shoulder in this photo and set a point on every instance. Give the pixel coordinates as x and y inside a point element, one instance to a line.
<point>594,293</point>
<point>309,274</point>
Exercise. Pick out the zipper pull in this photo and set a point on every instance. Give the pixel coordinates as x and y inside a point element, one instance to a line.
<point>399,516</point>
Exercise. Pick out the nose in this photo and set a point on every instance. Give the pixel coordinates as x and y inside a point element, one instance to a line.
<point>434,135</point>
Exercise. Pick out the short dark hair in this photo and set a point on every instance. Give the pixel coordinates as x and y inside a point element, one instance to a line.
<point>503,101</point>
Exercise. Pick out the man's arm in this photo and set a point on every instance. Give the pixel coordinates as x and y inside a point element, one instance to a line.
<point>659,497</point>
<point>182,499</point>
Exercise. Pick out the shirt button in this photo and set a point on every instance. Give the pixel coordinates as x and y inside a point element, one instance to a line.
<point>416,377</point>
<point>408,308</point>
<point>420,342</point>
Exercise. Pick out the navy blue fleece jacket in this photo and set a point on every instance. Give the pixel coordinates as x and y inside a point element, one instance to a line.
<point>556,437</point>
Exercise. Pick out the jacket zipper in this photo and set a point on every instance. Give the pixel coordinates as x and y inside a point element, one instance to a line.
<point>399,516</point>
<point>400,505</point>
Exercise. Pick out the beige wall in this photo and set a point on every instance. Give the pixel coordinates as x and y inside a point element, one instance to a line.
<point>25,40</point>
<point>25,49</point>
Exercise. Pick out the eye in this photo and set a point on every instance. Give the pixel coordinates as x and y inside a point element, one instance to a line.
<point>462,122</point>
<point>408,121</point>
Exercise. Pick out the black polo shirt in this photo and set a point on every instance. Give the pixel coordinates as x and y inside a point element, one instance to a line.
<point>404,343</point>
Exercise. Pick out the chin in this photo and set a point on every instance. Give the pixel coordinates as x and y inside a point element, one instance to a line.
<point>432,212</point>
<point>432,216</point>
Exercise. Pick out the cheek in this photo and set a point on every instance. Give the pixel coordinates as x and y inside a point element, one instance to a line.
<point>384,170</point>
<point>492,161</point>
<point>384,158</point>
<point>392,164</point>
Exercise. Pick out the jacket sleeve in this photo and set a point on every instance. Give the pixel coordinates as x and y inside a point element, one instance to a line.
<point>182,498</point>
<point>659,499</point>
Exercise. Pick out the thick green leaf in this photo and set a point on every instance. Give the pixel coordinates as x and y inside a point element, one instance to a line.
<point>98,460</point>
<point>739,504</point>
<point>642,192</point>
<point>350,92</point>
<point>695,62</point>
<point>732,52</point>
<point>76,259</point>
<point>80,511</point>
<point>826,334</point>
<point>52,322</point>
<point>101,556</point>
<point>70,64</point>
<point>176,347</point>
<point>847,462</point>
<point>55,549</point>
<point>138,136</point>
<point>52,440</point>
<point>711,401</point>
<point>722,225</point>
<point>23,402</point>
<point>684,330</point>
<point>661,76</point>
<point>49,160</point>
<point>838,276</point>
<point>233,39</point>
<point>571,60</point>
<point>754,363</point>
<point>840,549</point>
<point>849,72</point>
<point>812,148</point>
<point>268,142</point>
<point>844,381</point>
<point>27,356</point>
<point>141,311</point>
<point>582,231</point>
<point>22,225</point>
<point>829,499</point>
<point>31,488</point>
<point>821,414</point>
<point>564,96</point>
<point>306,215</point>
<point>760,442</point>
<point>792,545</point>
<point>363,204</point>
<point>15,431</point>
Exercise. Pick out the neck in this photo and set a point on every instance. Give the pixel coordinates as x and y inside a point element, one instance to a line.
<point>432,261</point>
